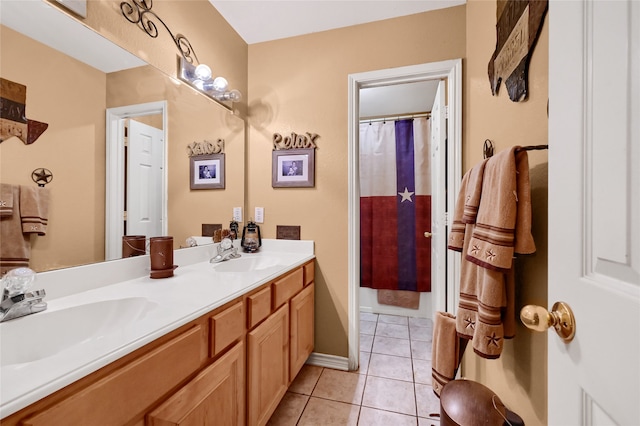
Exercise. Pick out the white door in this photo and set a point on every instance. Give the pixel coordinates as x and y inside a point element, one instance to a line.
<point>594,210</point>
<point>438,199</point>
<point>145,162</point>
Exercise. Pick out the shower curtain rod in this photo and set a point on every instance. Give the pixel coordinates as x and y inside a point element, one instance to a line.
<point>395,117</point>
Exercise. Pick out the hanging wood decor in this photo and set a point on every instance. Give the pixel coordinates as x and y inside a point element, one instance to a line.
<point>205,148</point>
<point>13,114</point>
<point>518,26</point>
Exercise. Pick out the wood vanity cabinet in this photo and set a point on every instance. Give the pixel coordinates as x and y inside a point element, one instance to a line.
<point>231,366</point>
<point>278,348</point>
<point>216,395</point>
<point>267,366</point>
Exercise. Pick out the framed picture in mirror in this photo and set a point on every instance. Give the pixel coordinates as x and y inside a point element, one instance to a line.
<point>293,168</point>
<point>207,171</point>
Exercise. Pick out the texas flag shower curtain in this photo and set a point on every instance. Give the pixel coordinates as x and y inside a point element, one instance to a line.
<point>395,205</point>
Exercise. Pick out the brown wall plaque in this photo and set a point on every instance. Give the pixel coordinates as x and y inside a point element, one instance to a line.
<point>284,232</point>
<point>209,228</point>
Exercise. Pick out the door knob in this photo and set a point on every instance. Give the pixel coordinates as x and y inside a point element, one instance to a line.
<point>428,234</point>
<point>560,318</point>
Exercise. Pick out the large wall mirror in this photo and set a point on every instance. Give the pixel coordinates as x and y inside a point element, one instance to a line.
<point>72,95</point>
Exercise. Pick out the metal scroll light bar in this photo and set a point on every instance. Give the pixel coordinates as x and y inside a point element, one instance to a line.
<point>190,70</point>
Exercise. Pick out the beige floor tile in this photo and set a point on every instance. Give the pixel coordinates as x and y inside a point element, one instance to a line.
<point>389,395</point>
<point>392,319</point>
<point>289,410</point>
<point>366,342</point>
<point>374,417</point>
<point>391,367</point>
<point>391,346</point>
<point>306,379</point>
<point>368,316</point>
<point>421,350</point>
<point>367,327</point>
<point>422,371</point>
<point>392,330</point>
<point>363,368</point>
<point>428,402</point>
<point>340,386</point>
<point>424,334</point>
<point>321,412</point>
<point>421,322</point>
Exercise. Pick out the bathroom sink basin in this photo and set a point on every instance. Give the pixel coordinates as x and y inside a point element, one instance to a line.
<point>248,263</point>
<point>44,334</point>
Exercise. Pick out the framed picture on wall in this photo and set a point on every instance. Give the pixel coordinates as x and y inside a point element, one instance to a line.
<point>293,168</point>
<point>207,171</point>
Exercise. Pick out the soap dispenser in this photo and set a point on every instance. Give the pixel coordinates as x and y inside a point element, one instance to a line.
<point>251,239</point>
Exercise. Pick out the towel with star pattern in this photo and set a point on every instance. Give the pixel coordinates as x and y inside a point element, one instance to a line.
<point>499,191</point>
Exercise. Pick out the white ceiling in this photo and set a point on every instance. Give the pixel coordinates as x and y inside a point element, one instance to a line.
<point>264,20</point>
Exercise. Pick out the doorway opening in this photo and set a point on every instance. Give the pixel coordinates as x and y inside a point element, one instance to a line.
<point>117,183</point>
<point>445,268</point>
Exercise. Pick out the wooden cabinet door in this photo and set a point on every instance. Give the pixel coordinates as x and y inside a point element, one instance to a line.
<point>121,396</point>
<point>213,397</point>
<point>301,333</point>
<point>267,366</point>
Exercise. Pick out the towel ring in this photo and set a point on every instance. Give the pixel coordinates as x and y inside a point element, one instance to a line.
<point>487,149</point>
<point>42,176</point>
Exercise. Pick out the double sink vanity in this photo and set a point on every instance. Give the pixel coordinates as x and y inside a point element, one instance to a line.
<point>214,344</point>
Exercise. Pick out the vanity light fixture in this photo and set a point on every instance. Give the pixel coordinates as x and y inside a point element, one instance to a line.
<point>201,77</point>
<point>190,70</point>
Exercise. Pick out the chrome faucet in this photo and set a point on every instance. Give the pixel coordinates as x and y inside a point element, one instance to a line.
<point>226,251</point>
<point>21,304</point>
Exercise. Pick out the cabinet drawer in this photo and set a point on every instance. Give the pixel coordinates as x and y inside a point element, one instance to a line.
<point>309,272</point>
<point>119,397</point>
<point>287,287</point>
<point>215,396</point>
<point>226,327</point>
<point>258,307</point>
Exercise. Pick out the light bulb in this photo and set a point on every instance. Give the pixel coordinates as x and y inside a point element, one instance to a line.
<point>235,95</point>
<point>203,72</point>
<point>220,84</point>
<point>199,84</point>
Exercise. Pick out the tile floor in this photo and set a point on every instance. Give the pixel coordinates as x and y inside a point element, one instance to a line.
<point>392,386</point>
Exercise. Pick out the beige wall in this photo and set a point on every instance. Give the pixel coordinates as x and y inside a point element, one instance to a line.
<point>300,84</point>
<point>69,96</point>
<point>519,375</point>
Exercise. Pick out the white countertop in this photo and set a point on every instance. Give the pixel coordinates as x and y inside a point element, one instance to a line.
<point>121,310</point>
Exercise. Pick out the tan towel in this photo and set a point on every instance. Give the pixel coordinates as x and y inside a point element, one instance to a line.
<point>473,193</point>
<point>34,209</point>
<point>458,227</point>
<point>481,305</point>
<point>486,311</point>
<point>502,209</point>
<point>6,199</point>
<point>447,351</point>
<point>467,204</point>
<point>15,247</point>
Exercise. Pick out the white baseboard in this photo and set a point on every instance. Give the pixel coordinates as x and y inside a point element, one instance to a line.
<point>328,361</point>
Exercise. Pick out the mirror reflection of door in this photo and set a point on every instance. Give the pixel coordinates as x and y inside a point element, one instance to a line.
<point>144,178</point>
<point>136,172</point>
